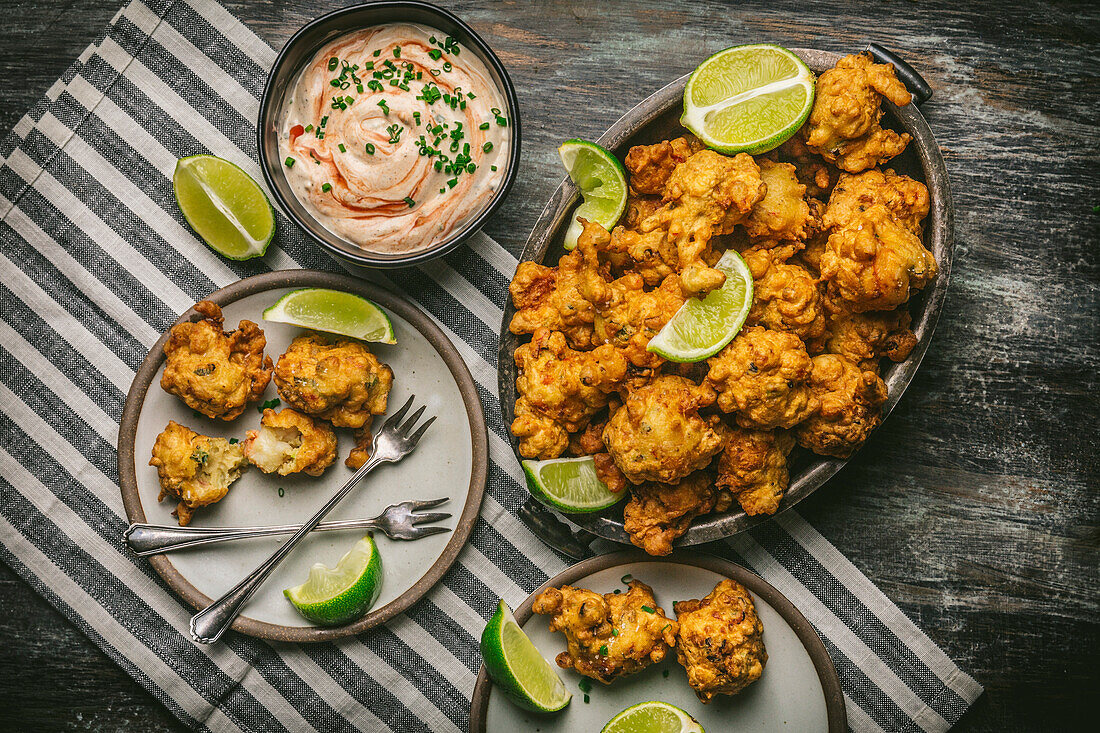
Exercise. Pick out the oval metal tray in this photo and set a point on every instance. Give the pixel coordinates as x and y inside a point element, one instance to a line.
<point>657,118</point>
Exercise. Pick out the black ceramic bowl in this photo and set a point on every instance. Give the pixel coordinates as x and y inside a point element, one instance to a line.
<point>301,48</point>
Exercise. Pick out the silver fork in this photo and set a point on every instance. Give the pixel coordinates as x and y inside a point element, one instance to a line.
<point>397,521</point>
<point>392,443</point>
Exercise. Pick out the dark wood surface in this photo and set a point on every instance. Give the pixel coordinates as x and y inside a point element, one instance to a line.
<point>975,507</point>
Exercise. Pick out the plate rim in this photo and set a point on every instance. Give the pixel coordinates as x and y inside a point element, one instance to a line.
<point>803,629</point>
<point>939,235</point>
<point>395,303</point>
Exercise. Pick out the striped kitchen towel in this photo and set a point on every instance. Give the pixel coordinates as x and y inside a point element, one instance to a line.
<point>97,262</point>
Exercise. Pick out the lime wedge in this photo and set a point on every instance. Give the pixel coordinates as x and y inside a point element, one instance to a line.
<point>602,181</point>
<point>701,328</point>
<point>340,595</point>
<point>653,717</point>
<point>517,667</point>
<point>333,311</point>
<point>569,485</point>
<point>748,99</point>
<point>224,206</point>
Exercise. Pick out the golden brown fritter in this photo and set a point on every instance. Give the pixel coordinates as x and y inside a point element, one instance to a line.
<point>638,208</point>
<point>783,214</point>
<point>194,469</point>
<point>290,442</point>
<point>813,171</point>
<point>708,195</point>
<point>650,166</point>
<point>874,263</point>
<point>763,376</point>
<point>608,636</point>
<point>905,199</point>
<point>721,641</point>
<point>565,386</point>
<point>785,296</point>
<point>864,338</point>
<point>539,436</point>
<point>851,407</point>
<point>644,249</point>
<point>214,372</point>
<point>658,433</point>
<point>553,297</point>
<point>364,440</point>
<point>333,378</point>
<point>844,123</point>
<point>657,514</point>
<point>753,466</point>
<point>629,316</point>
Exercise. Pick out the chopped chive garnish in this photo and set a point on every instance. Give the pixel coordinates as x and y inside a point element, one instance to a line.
<point>289,162</point>
<point>492,167</point>
<point>397,52</point>
<point>471,168</point>
<point>335,82</point>
<point>585,685</point>
<point>665,628</point>
<point>269,405</point>
<point>333,63</point>
<point>447,66</point>
<point>603,650</point>
<point>626,579</point>
<point>416,116</point>
<point>410,202</point>
<point>471,95</point>
<point>385,108</point>
<point>647,609</point>
<point>374,85</point>
<point>280,491</point>
<point>494,110</point>
<point>395,133</point>
<point>586,698</point>
<point>435,54</point>
<point>443,190</point>
<point>341,146</point>
<point>370,149</point>
<point>452,182</point>
<point>359,88</point>
<point>324,120</point>
<point>233,441</point>
<point>665,674</point>
<point>326,187</point>
<point>320,136</point>
<point>309,128</point>
<point>502,121</point>
<point>614,632</point>
<point>487,147</point>
<point>377,53</point>
<point>434,72</point>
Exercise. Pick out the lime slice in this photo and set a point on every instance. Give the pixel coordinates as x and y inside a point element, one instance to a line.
<point>653,717</point>
<point>748,99</point>
<point>340,595</point>
<point>569,485</point>
<point>224,206</point>
<point>701,328</point>
<point>333,311</point>
<point>517,667</point>
<point>602,181</point>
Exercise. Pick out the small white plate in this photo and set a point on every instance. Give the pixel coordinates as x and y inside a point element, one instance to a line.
<point>799,690</point>
<point>450,461</point>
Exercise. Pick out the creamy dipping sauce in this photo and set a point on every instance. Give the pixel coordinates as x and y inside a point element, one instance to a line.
<point>393,137</point>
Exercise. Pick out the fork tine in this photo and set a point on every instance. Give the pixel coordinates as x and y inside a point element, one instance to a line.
<point>415,437</point>
<point>418,532</point>
<point>429,517</point>
<point>404,429</point>
<point>429,504</point>
<point>396,417</point>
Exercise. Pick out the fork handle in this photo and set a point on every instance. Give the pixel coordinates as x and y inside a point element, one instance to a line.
<point>208,625</point>
<point>150,539</point>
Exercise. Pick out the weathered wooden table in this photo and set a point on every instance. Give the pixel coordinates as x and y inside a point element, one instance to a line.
<point>976,505</point>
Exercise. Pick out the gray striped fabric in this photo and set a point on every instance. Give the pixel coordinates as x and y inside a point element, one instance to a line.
<point>97,262</point>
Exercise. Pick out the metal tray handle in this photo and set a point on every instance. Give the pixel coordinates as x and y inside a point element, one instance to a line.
<point>916,84</point>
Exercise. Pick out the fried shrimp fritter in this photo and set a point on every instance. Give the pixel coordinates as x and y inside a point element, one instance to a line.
<point>561,386</point>
<point>553,297</point>
<point>844,123</point>
<point>608,636</point>
<point>785,296</point>
<point>721,641</point>
<point>763,376</point>
<point>905,199</point>
<point>708,195</point>
<point>333,378</point>
<point>194,469</point>
<point>658,433</point>
<point>657,514</point>
<point>783,214</point>
<point>753,466</point>
<point>214,372</point>
<point>864,338</point>
<point>290,442</point>
<point>875,263</point>
<point>851,407</point>
<point>650,166</point>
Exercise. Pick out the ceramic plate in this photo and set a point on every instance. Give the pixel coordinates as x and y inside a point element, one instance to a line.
<point>658,118</point>
<point>450,461</point>
<point>799,690</point>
